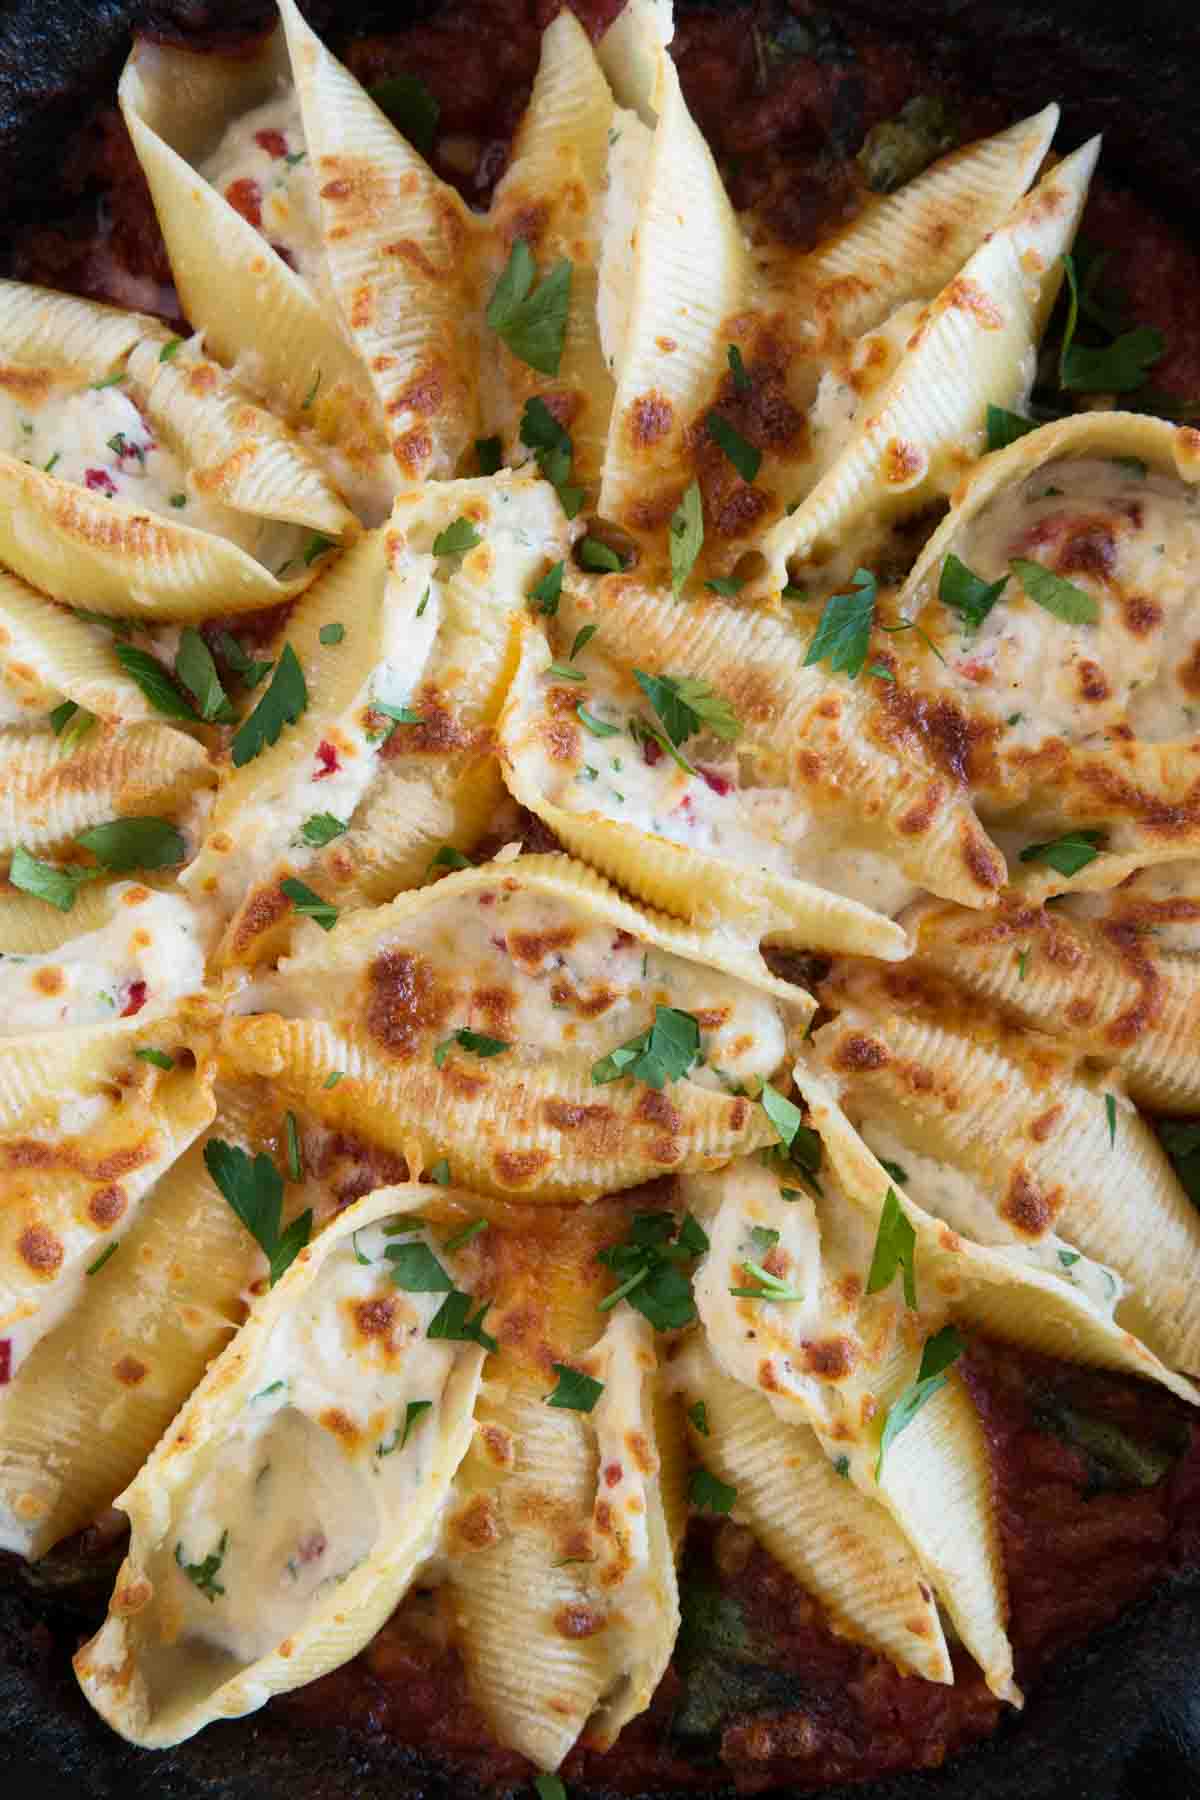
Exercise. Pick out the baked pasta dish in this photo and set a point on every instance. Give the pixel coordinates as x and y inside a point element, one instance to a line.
<point>601,1027</point>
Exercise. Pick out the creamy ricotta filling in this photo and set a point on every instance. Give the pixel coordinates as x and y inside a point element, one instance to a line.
<point>262,168</point>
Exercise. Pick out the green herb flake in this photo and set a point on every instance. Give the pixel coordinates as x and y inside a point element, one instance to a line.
<point>312,392</point>
<point>285,699</point>
<point>550,1787</point>
<point>666,1052</point>
<point>108,1252</point>
<point>647,1265</point>
<point>440,1172</point>
<point>45,882</point>
<point>71,724</point>
<point>155,683</point>
<point>1068,1258</point>
<point>687,706</point>
<point>411,108</point>
<point>468,1232</point>
<point>895,1248</point>
<point>1067,854</point>
<point>477,1042</point>
<point>598,557</point>
<point>1022,964</point>
<point>308,904</point>
<point>531,320</point>
<point>564,672</point>
<point>458,537</point>
<point>158,1058</point>
<point>295,1160</point>
<point>698,1417</point>
<point>171,350</point>
<point>843,634</point>
<point>708,1494</point>
<point>725,585</point>
<point>968,594</point>
<point>488,455</point>
<point>546,593</point>
<point>553,451</point>
<point>895,1171</point>
<point>1117,368</point>
<point>746,459</point>
<point>332,634</point>
<point>737,368</point>
<point>686,535</point>
<point>196,671</point>
<point>944,1348</point>
<point>1181,1141</point>
<point>316,546</point>
<point>253,1187</point>
<point>1055,593</point>
<point>1004,428</point>
<point>1110,1114</point>
<point>204,1574</point>
<point>598,727</point>
<point>575,1391</point>
<point>417,1270</point>
<point>321,829</point>
<point>134,844</point>
<point>245,667</point>
<point>333,1077</point>
<point>178,501</point>
<point>449,858</point>
<point>454,1321</point>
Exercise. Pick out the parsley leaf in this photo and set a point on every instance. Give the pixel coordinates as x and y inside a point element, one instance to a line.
<point>895,1248</point>
<point>725,585</point>
<point>1055,593</point>
<point>737,369</point>
<point>71,724</point>
<point>944,1348</point>
<point>309,904</point>
<point>599,557</point>
<point>476,1041</point>
<point>458,537</point>
<point>488,454</point>
<point>709,1494</point>
<point>1004,428</point>
<point>411,108</point>
<point>321,829</point>
<point>159,1058</point>
<point>967,593</point>
<point>1066,854</point>
<point>687,706</point>
<point>1116,368</point>
<point>468,1232</point>
<point>254,1189</point>
<point>415,1410</point>
<point>745,458</point>
<point>547,592</point>
<point>687,535</point>
<point>197,672</point>
<point>108,1252</point>
<point>1181,1141</point>
<point>295,1159</point>
<point>575,1391</point>
<point>664,1053</point>
<point>134,844</point>
<point>417,1270</point>
<point>453,1320</point>
<point>169,350</point>
<point>332,633</point>
<point>598,727</point>
<point>204,1574</point>
<point>45,882</point>
<point>553,450</point>
<point>449,858</point>
<point>564,672</point>
<point>698,1417</point>
<point>769,1287</point>
<point>1110,1113</point>
<point>550,1787</point>
<point>531,320</point>
<point>583,638</point>
<point>898,1174</point>
<point>283,702</point>
<point>440,1172</point>
<point>316,546</point>
<point>155,683</point>
<point>801,1142</point>
<point>843,633</point>
<point>244,667</point>
<point>647,1267</point>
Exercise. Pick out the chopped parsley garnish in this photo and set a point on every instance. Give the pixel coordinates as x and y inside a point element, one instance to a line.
<point>768,1286</point>
<point>970,596</point>
<point>1058,595</point>
<point>1119,367</point>
<point>553,450</point>
<point>121,446</point>
<point>417,1270</point>
<point>71,724</point>
<point>312,392</point>
<point>56,457</point>
<point>841,1466</point>
<point>687,706</point>
<point>45,882</point>
<point>897,1173</point>
<point>725,585</point>
<point>843,634</point>
<point>415,1410</point>
<point>895,1248</point>
<point>246,668</point>
<point>283,702</point>
<point>178,501</point>
<point>159,1058</point>
<point>583,638</point>
<point>550,1787</point>
<point>1066,854</point>
<point>531,320</point>
<point>155,683</point>
<point>333,1077</point>
<point>254,1189</point>
<point>109,1250</point>
<point>316,546</point>
<point>802,1143</point>
<point>449,858</point>
<point>424,602</point>
<point>598,556</point>
<point>1022,964</point>
<point>709,1494</point>
<point>1068,1258</point>
<point>547,592</point>
<point>440,1172</point>
<point>763,1237</point>
<point>737,369</point>
<point>647,1265</point>
<point>565,672</point>
<point>745,458</point>
<point>453,1320</point>
<point>944,1348</point>
<point>458,537</point>
<point>488,454</point>
<point>477,1042</point>
<point>1110,1113</point>
<point>687,535</point>
<point>410,106</point>
<point>1181,1141</point>
<point>598,727</point>
<point>663,1053</point>
<point>321,829</point>
<point>170,350</point>
<point>292,1152</point>
<point>308,904</point>
<point>108,381</point>
<point>698,1417</point>
<point>204,1574</point>
<point>575,1391</point>
<point>196,671</point>
<point>332,634</point>
<point>468,1233</point>
<point>134,844</point>
<point>1004,427</point>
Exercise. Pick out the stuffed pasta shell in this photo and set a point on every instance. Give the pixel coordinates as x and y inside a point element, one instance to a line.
<point>547,1036</point>
<point>301,1489</point>
<point>137,478</point>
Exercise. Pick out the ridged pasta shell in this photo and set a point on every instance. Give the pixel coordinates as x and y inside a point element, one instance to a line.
<point>969,350</point>
<point>546,756</point>
<point>875,789</point>
<point>256,314</point>
<point>838,1545</point>
<point>562,1565</point>
<point>486,947</point>
<point>433,635</point>
<point>630,53</point>
<point>48,795</point>
<point>46,654</point>
<point>1102,979</point>
<point>1108,720</point>
<point>250,484</point>
<point>999,1287</point>
<point>164,1664</point>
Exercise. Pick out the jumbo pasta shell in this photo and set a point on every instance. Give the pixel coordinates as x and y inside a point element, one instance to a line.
<point>47,654</point>
<point>364,1517</point>
<point>386,989</point>
<point>48,795</point>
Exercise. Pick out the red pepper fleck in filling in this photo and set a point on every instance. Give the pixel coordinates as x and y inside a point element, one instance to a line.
<point>273,142</point>
<point>245,196</point>
<point>135,1000</point>
<point>5,1361</point>
<point>651,752</point>
<point>720,784</point>
<point>100,482</point>
<point>327,757</point>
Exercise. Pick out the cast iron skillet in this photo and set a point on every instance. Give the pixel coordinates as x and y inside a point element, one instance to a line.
<point>1118,1719</point>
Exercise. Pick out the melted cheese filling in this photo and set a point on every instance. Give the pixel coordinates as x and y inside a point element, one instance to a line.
<point>262,168</point>
<point>1163,900</point>
<point>1128,536</point>
<point>718,810</point>
<point>315,1473</point>
<point>147,956</point>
